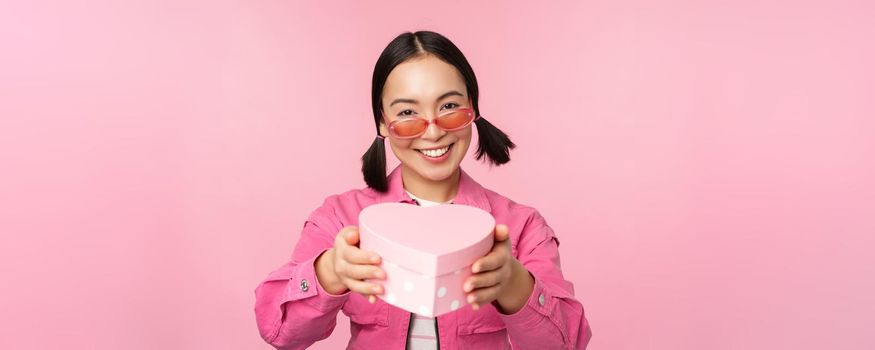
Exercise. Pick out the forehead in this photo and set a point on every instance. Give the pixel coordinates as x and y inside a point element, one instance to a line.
<point>422,78</point>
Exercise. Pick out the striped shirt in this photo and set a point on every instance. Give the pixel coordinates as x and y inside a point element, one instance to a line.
<point>423,329</point>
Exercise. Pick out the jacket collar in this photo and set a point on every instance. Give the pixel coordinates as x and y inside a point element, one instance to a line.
<point>470,192</point>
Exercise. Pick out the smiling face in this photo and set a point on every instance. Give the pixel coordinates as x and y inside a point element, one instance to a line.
<point>426,87</point>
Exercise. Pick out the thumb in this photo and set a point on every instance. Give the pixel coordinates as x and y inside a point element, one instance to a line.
<point>351,236</point>
<point>501,233</point>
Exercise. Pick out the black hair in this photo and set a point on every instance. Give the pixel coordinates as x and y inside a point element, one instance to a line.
<point>493,143</point>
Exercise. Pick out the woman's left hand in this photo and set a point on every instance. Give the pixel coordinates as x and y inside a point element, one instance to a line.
<point>498,276</point>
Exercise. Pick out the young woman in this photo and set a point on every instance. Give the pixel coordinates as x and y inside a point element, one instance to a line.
<point>424,99</point>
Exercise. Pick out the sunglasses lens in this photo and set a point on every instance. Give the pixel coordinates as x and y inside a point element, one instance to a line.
<point>409,127</point>
<point>455,119</point>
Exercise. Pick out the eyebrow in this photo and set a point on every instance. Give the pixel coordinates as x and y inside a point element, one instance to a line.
<point>408,100</point>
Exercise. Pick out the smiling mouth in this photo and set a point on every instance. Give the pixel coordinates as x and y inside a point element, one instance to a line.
<point>436,152</point>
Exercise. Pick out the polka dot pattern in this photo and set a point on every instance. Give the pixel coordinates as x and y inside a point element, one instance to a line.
<point>423,294</point>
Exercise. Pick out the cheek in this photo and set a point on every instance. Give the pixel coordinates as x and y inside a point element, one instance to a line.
<point>400,145</point>
<point>465,136</point>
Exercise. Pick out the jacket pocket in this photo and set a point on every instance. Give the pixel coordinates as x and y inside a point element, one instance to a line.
<point>361,312</point>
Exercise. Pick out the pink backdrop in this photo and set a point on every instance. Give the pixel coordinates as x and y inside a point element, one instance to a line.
<point>708,165</point>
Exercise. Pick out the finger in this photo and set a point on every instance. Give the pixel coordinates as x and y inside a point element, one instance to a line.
<point>354,255</point>
<point>362,287</point>
<point>341,239</point>
<point>372,299</point>
<point>482,296</point>
<point>362,272</point>
<point>351,236</point>
<point>483,280</point>
<point>495,259</point>
<point>501,233</point>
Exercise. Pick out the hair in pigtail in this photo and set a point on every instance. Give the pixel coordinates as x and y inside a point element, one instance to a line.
<point>374,166</point>
<point>493,143</point>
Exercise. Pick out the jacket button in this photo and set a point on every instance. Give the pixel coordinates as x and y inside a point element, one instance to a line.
<point>541,299</point>
<point>305,286</point>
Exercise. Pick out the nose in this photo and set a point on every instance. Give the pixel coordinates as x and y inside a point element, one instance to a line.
<point>432,131</point>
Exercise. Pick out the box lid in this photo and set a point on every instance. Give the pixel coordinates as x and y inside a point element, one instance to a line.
<point>430,240</point>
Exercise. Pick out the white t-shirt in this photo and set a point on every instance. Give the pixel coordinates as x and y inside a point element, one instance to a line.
<point>423,330</point>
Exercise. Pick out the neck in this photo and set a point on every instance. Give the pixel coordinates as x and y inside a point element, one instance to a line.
<point>435,191</point>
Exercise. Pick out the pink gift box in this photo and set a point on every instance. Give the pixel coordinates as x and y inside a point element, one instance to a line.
<point>427,252</point>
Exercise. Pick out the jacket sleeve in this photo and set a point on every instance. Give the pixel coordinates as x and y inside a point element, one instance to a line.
<point>291,308</point>
<point>552,318</point>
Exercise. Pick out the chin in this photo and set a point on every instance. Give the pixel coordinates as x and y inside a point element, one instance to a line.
<point>434,173</point>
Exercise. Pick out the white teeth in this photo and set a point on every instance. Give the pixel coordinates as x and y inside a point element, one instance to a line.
<point>434,153</point>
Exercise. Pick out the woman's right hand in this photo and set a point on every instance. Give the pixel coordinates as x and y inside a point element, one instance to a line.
<point>346,267</point>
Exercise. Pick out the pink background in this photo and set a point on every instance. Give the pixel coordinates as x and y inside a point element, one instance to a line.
<point>707,165</point>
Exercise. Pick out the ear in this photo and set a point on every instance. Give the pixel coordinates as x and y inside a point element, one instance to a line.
<point>384,131</point>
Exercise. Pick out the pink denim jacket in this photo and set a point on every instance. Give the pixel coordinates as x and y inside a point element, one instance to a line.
<point>293,311</point>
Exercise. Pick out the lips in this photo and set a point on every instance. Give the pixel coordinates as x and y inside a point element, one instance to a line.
<point>436,152</point>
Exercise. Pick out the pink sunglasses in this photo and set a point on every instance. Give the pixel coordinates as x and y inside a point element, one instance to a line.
<point>413,127</point>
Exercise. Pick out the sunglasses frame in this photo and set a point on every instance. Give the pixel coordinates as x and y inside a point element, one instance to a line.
<point>428,122</point>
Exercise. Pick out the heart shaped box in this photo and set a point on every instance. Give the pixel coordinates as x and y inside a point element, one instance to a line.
<point>427,252</point>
